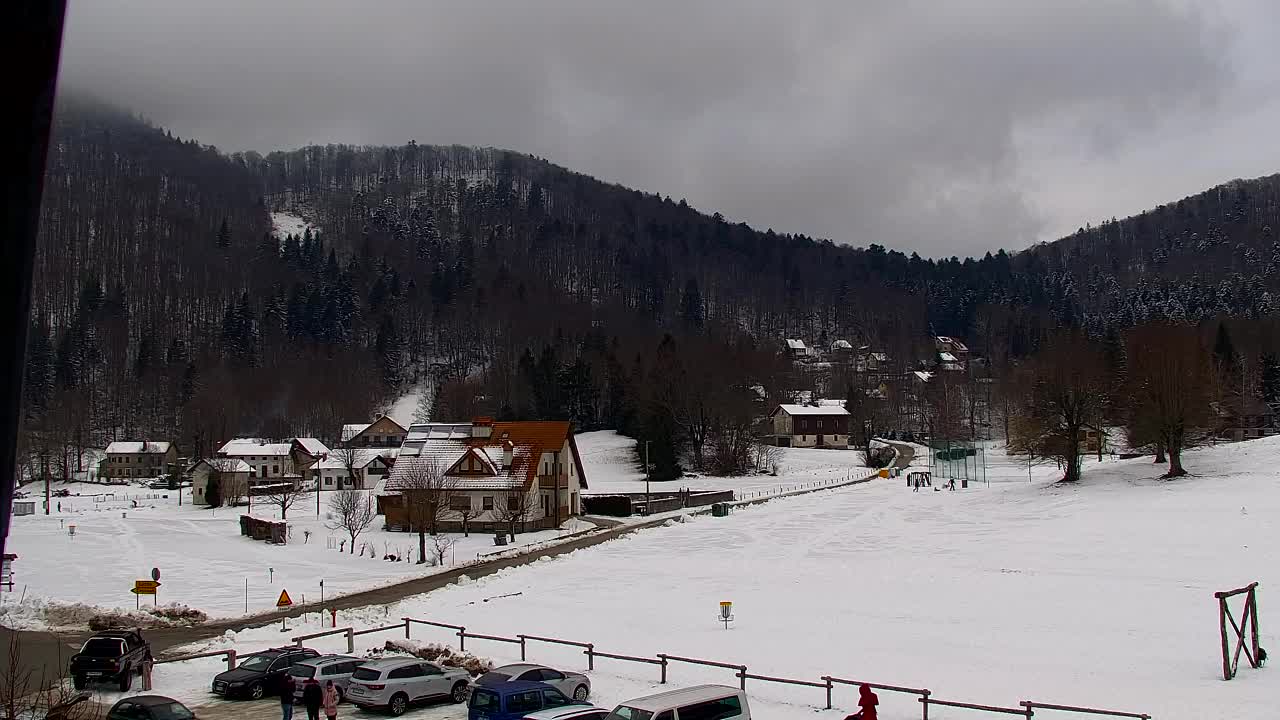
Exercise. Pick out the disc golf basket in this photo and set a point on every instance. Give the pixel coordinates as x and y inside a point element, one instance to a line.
<point>1245,632</point>
<point>726,613</point>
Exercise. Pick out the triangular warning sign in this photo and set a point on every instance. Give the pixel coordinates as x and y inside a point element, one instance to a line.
<point>284,600</point>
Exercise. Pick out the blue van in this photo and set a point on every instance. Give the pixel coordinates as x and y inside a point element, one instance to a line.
<point>513,700</point>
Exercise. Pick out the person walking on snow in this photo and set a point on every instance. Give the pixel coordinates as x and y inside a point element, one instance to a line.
<point>312,697</point>
<point>287,687</point>
<point>867,700</point>
<point>330,700</point>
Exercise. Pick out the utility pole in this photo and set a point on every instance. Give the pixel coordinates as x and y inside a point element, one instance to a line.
<point>646,478</point>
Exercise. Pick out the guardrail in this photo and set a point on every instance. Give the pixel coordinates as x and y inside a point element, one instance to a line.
<point>230,654</point>
<point>1084,710</point>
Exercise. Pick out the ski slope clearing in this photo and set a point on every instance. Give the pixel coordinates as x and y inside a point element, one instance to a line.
<point>204,561</point>
<point>1099,594</point>
<point>285,224</point>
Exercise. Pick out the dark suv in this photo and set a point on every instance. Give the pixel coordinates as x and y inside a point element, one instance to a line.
<point>259,674</point>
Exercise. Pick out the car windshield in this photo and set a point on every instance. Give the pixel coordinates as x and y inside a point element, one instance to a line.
<point>364,673</point>
<point>257,662</point>
<point>486,700</point>
<point>171,711</point>
<point>622,712</point>
<point>103,648</point>
<point>302,671</point>
<point>493,678</point>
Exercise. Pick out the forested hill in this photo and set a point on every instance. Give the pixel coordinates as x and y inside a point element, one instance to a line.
<point>164,308</point>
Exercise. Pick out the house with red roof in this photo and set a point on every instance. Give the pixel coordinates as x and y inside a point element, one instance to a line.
<point>494,474</point>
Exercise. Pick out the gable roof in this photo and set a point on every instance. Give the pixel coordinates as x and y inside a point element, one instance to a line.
<point>134,447</point>
<point>363,457</point>
<point>249,447</point>
<point>311,446</point>
<point>810,410</point>
<point>225,465</point>
<point>794,344</point>
<point>445,444</point>
<point>353,429</point>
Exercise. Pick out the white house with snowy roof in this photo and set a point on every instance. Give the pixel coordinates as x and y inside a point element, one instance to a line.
<point>267,459</point>
<point>351,469</point>
<point>381,433</point>
<point>137,459</point>
<point>494,471</point>
<point>230,475</point>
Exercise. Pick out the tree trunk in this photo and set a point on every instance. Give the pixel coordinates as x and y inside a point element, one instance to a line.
<point>422,545</point>
<point>1175,463</point>
<point>1159,454</point>
<point>353,544</point>
<point>1073,467</point>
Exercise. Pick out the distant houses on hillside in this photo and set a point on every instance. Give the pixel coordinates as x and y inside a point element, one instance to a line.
<point>127,459</point>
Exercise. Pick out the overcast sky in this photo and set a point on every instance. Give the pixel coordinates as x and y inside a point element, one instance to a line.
<point>947,127</point>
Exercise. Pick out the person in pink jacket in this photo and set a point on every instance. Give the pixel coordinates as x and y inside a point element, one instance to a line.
<point>330,701</point>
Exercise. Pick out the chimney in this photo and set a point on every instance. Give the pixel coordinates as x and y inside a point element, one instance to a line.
<point>481,427</point>
<point>508,454</point>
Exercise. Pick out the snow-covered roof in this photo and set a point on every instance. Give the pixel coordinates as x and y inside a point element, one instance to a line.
<point>841,345</point>
<point>312,446</point>
<point>830,402</point>
<point>226,465</point>
<point>251,447</point>
<point>880,357</point>
<point>923,376</point>
<point>794,344</point>
<point>444,445</point>
<point>353,429</point>
<point>811,410</point>
<point>363,456</point>
<point>947,357</point>
<point>134,447</point>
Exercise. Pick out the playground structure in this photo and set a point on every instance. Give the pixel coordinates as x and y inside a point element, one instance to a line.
<point>1245,632</point>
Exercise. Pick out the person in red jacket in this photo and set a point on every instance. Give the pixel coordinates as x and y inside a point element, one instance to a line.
<point>867,700</point>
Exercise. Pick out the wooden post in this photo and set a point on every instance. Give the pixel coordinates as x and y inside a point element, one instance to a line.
<point>591,656</point>
<point>522,654</point>
<point>742,674</point>
<point>664,669</point>
<point>462,638</point>
<point>1253,623</point>
<point>406,628</point>
<point>231,659</point>
<point>828,681</point>
<point>1222,625</point>
<point>924,703</point>
<point>351,640</point>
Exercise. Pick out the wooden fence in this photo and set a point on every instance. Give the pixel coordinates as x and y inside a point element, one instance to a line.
<point>826,683</point>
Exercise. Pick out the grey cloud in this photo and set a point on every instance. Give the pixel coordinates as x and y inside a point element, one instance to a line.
<point>918,125</point>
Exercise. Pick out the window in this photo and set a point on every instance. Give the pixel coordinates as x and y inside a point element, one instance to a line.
<point>429,669</point>
<point>513,503</point>
<point>622,712</point>
<point>460,503</point>
<point>487,502</point>
<point>549,675</point>
<point>554,698</point>
<point>666,715</point>
<point>485,700</point>
<point>328,481</point>
<point>408,671</point>
<point>727,707</point>
<point>524,702</point>
<point>364,673</point>
<point>275,469</point>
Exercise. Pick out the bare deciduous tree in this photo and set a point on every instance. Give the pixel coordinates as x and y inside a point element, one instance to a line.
<point>283,494</point>
<point>350,458</point>
<point>354,512</point>
<point>1170,385</point>
<point>1063,391</point>
<point>465,512</point>
<point>514,508</point>
<point>440,546</point>
<point>427,492</point>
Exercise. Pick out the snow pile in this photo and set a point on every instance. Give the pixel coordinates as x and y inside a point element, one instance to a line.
<point>442,654</point>
<point>38,613</point>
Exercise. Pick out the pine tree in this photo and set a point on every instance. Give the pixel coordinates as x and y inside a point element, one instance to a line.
<point>37,388</point>
<point>224,235</point>
<point>691,310</point>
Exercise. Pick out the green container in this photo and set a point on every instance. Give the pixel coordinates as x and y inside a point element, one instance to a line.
<point>719,510</point>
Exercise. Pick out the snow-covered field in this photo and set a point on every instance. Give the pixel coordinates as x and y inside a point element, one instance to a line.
<point>609,461</point>
<point>1099,594</point>
<point>286,224</point>
<point>204,561</point>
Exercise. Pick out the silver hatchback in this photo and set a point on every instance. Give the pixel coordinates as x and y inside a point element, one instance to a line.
<point>337,668</point>
<point>396,683</point>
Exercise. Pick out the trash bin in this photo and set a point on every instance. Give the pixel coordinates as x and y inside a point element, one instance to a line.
<point>719,510</point>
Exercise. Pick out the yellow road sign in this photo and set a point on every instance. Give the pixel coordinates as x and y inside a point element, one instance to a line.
<point>144,587</point>
<point>285,600</point>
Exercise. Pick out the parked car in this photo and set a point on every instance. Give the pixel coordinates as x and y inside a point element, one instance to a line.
<point>337,668</point>
<point>514,700</point>
<point>575,685</point>
<point>570,712</point>
<point>396,683</point>
<point>112,655</point>
<point>149,707</point>
<point>259,674</point>
<point>700,701</point>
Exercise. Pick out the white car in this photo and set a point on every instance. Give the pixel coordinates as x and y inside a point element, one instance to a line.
<point>569,712</point>
<point>572,684</point>
<point>396,683</point>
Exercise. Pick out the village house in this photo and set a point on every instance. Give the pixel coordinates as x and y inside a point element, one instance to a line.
<point>496,474</point>
<point>1255,419</point>
<point>230,475</point>
<point>137,459</point>
<point>274,460</point>
<point>381,433</point>
<point>818,425</point>
<point>944,344</point>
<point>797,349</point>
<point>365,469</point>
